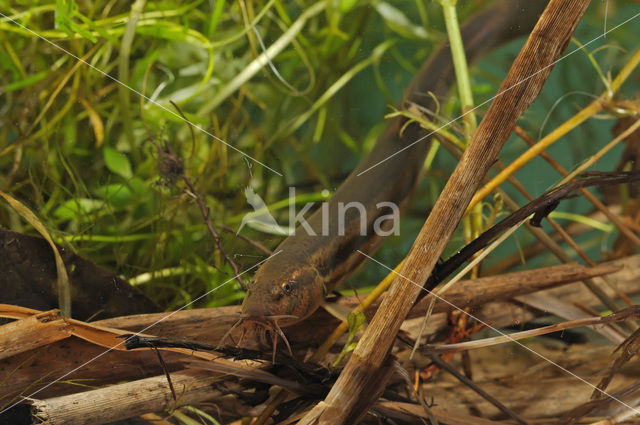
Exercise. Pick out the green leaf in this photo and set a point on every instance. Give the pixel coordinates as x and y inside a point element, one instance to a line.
<point>25,82</point>
<point>63,19</point>
<point>78,207</point>
<point>139,186</point>
<point>355,321</point>
<point>117,194</point>
<point>62,15</point>
<point>117,162</point>
<point>124,195</point>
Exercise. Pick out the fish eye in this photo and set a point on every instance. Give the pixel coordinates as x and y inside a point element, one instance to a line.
<point>287,288</point>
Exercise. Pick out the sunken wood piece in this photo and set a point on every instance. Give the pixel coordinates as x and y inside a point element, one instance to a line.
<point>75,360</point>
<point>29,273</point>
<point>32,332</point>
<point>32,369</point>
<point>475,292</point>
<point>524,81</point>
<point>128,400</point>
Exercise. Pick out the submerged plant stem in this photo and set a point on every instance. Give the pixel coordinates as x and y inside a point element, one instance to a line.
<point>123,68</point>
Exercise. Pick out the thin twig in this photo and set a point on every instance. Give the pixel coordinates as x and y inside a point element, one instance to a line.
<point>166,373</point>
<point>256,245</point>
<point>204,210</point>
<point>171,167</point>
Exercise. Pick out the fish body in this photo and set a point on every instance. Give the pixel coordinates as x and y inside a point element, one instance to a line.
<point>290,286</point>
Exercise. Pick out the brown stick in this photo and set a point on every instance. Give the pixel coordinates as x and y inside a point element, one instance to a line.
<point>32,332</point>
<point>524,81</point>
<point>471,293</point>
<point>127,400</point>
<point>475,292</point>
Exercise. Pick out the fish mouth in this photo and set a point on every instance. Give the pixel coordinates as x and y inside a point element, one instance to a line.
<point>269,326</point>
